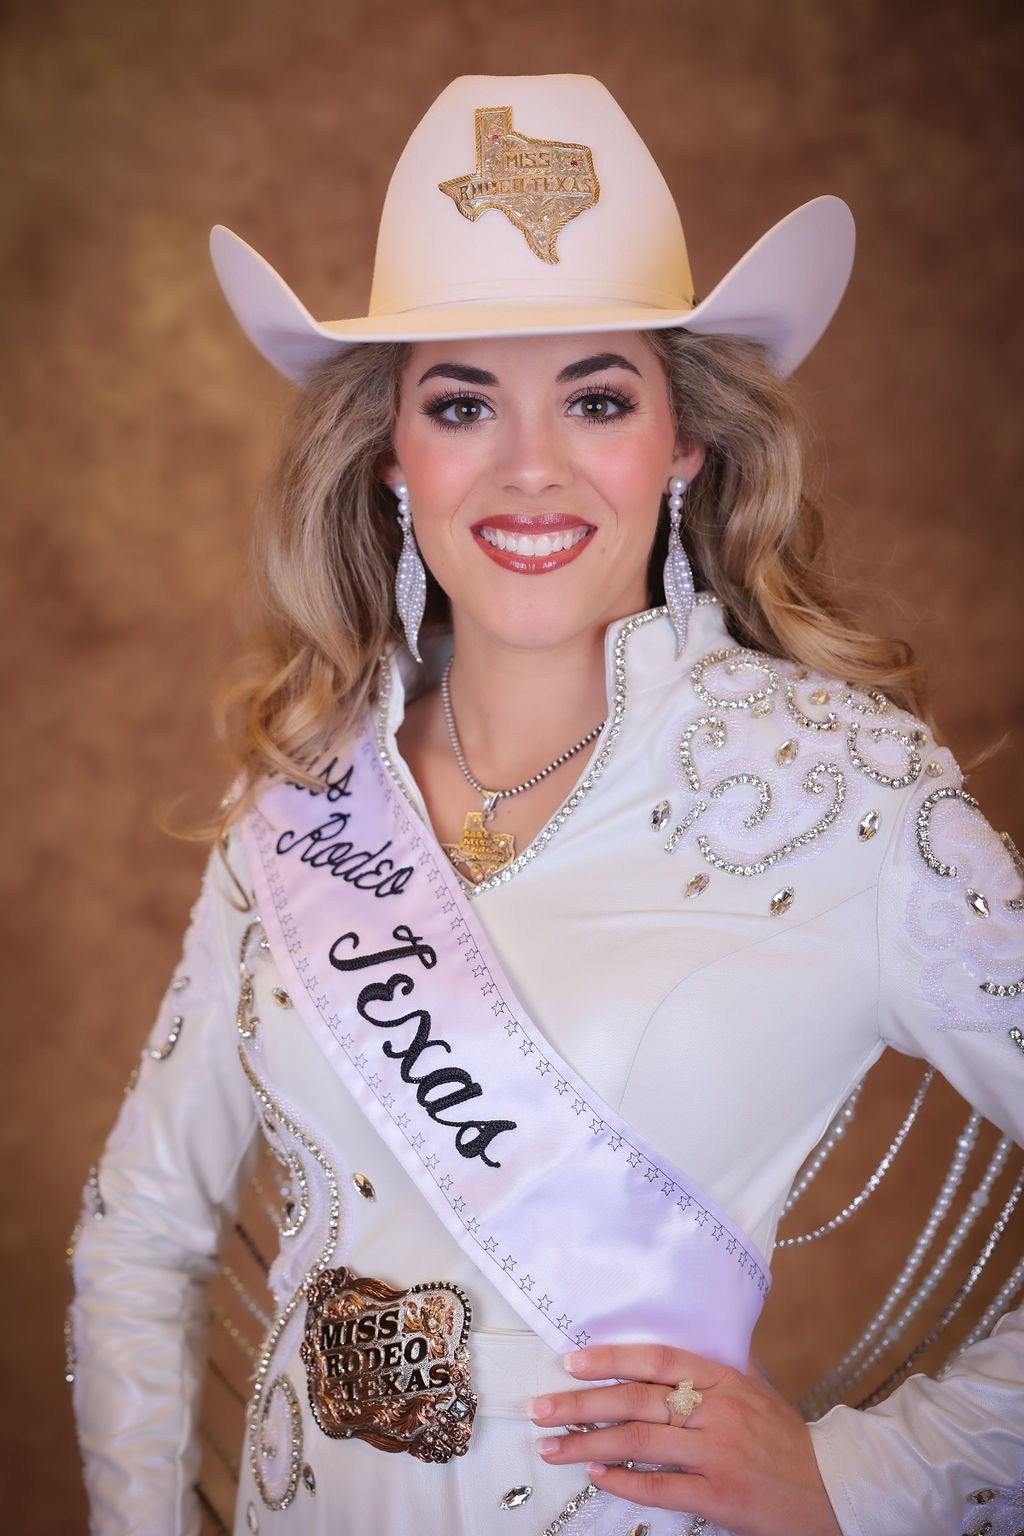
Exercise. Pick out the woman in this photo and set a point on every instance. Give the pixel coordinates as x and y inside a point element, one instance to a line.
<point>542,982</point>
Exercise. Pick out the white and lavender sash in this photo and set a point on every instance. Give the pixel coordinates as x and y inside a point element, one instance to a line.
<point>585,1230</point>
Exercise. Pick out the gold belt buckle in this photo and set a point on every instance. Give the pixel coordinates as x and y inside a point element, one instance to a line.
<point>390,1367</point>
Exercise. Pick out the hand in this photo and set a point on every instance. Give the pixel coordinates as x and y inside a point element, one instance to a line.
<point>742,1457</point>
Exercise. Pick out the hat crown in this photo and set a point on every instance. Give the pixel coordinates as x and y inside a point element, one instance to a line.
<point>551,194</point>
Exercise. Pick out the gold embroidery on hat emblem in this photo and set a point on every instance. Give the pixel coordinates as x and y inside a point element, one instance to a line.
<point>538,185</point>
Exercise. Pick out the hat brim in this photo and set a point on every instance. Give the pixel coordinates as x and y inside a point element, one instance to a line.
<point>782,294</point>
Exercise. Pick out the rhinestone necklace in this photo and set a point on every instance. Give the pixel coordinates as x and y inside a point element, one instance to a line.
<point>481,852</point>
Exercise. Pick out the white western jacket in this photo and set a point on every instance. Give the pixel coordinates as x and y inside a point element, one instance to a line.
<point>854,897</point>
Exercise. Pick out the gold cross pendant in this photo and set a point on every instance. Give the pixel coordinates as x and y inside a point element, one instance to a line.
<point>480,853</point>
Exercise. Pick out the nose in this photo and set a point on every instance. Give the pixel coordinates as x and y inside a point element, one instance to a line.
<point>533,458</point>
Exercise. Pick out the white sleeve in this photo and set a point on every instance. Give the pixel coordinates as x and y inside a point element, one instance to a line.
<point>951,944</point>
<point>156,1208</point>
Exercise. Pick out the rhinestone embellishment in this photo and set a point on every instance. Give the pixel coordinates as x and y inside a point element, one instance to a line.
<point>687,822</point>
<point>309,1478</point>
<point>1017,1036</point>
<point>877,703</point>
<point>933,770</point>
<point>787,752</point>
<point>173,1036</point>
<point>252,1519</point>
<point>643,1529</point>
<point>364,1186</point>
<point>819,696</point>
<point>813,785</point>
<point>660,815</point>
<point>738,661</point>
<point>978,903</point>
<point>830,722</point>
<point>1015,903</point>
<point>924,817</point>
<point>281,997</point>
<point>764,795</point>
<point>515,1497</point>
<point>697,886</point>
<point>1003,988</point>
<point>95,1199</point>
<point>714,738</point>
<point>868,826</point>
<point>888,780</point>
<point>781,901</point>
<point>266,1392</point>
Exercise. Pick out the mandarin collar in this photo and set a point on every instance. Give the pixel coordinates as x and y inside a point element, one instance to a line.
<point>650,652</point>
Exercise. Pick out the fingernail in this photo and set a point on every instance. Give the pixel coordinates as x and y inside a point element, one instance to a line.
<point>596,1469</point>
<point>539,1408</point>
<point>548,1446</point>
<point>574,1362</point>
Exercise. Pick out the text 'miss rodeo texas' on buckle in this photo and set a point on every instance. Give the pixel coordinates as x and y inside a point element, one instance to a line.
<point>390,1367</point>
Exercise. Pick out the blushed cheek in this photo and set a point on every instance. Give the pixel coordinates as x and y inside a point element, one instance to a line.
<point>635,488</point>
<point>437,489</point>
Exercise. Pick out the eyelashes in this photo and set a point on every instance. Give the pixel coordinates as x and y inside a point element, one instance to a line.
<point>442,408</point>
<point>623,402</point>
<point>456,411</point>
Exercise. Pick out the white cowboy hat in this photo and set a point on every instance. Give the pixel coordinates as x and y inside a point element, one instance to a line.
<point>529,205</point>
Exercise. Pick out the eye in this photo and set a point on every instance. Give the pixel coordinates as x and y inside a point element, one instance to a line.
<point>454,411</point>
<point>601,405</point>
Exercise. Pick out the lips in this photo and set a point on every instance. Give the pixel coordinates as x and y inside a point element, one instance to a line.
<point>532,545</point>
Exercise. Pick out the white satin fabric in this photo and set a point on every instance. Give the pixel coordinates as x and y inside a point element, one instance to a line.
<point>439,1004</point>
<point>727,1036</point>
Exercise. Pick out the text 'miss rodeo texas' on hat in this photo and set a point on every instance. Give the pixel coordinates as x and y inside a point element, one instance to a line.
<point>529,205</point>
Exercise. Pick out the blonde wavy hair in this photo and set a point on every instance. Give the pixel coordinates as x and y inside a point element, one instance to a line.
<point>327,542</point>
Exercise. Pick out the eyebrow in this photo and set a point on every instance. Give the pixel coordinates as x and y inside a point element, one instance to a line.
<point>596,364</point>
<point>460,371</point>
<point>580,370</point>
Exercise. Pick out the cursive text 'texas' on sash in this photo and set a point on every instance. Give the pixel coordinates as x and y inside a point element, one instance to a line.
<point>444,1088</point>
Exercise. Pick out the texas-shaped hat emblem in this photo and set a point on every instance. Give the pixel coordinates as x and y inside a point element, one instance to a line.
<point>537,184</point>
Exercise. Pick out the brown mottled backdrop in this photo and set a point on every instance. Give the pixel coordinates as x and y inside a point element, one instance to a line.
<point>138,423</point>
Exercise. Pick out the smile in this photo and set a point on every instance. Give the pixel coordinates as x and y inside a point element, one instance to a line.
<point>533,545</point>
<point>526,544</point>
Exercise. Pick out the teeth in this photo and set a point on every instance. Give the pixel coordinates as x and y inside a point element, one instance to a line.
<point>531,545</point>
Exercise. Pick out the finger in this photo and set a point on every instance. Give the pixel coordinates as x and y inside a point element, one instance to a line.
<point>644,1362</point>
<point>632,1441</point>
<point>603,1405</point>
<point>661,1489</point>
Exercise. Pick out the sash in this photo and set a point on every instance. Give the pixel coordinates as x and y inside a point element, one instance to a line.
<point>587,1232</point>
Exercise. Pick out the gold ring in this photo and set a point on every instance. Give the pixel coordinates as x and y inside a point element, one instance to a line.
<point>682,1400</point>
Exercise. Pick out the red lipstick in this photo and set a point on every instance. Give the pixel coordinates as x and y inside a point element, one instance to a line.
<point>532,544</point>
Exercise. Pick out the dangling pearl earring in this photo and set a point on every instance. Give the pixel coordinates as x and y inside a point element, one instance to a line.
<point>410,577</point>
<point>679,594</point>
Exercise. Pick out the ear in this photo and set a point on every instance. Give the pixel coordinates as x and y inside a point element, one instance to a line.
<point>688,459</point>
<point>390,472</point>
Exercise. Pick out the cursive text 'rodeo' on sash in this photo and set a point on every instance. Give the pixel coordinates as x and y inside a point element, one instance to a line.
<point>326,847</point>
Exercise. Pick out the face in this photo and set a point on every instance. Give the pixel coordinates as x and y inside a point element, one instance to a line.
<point>535,468</point>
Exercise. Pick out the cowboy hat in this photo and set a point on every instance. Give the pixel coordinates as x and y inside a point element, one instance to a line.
<point>529,205</point>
